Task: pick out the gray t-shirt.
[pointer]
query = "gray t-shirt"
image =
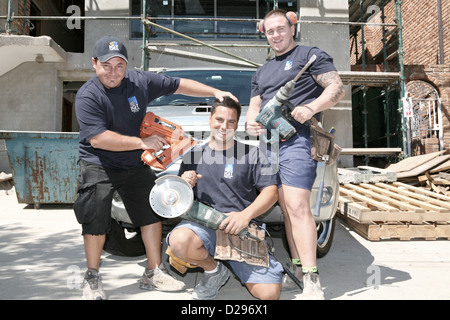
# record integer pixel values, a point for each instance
(231, 179)
(270, 77)
(121, 110)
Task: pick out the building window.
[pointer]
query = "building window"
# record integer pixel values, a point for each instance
(205, 29)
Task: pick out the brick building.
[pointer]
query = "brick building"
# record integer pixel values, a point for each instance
(426, 63)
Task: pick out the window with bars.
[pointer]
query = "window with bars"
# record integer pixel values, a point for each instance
(229, 10)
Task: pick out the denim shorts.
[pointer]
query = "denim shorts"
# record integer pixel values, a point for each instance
(245, 272)
(96, 186)
(296, 167)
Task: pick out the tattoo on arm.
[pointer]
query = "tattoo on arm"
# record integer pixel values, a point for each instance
(332, 81)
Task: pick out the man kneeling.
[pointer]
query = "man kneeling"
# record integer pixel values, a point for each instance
(235, 179)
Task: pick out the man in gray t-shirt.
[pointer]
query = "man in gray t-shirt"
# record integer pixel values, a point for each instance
(110, 109)
(235, 179)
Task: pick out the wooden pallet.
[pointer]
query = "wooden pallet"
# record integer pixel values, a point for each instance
(394, 211)
(400, 231)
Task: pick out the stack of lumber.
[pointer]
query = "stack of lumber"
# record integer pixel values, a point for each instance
(377, 204)
(430, 171)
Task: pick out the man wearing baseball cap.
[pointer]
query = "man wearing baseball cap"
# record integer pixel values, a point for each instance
(110, 108)
(109, 47)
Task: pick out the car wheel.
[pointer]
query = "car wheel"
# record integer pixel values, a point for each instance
(325, 234)
(122, 241)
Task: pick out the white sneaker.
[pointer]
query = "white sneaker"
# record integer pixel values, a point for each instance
(92, 286)
(312, 289)
(160, 279)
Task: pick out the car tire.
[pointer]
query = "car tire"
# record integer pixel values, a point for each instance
(325, 235)
(117, 243)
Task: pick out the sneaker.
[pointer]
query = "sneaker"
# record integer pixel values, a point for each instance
(312, 289)
(160, 279)
(210, 284)
(92, 286)
(287, 283)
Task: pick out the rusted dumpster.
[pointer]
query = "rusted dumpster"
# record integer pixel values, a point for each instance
(44, 165)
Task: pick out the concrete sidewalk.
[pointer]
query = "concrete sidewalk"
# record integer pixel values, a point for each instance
(42, 257)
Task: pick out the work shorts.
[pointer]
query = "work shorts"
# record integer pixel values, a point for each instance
(96, 186)
(245, 272)
(296, 167)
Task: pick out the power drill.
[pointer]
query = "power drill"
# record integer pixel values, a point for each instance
(272, 117)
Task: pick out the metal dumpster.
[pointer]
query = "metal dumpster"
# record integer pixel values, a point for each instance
(44, 165)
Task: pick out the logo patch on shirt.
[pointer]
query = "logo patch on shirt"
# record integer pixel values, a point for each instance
(288, 65)
(134, 106)
(228, 173)
(113, 45)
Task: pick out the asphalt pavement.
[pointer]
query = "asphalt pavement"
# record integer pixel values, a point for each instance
(42, 258)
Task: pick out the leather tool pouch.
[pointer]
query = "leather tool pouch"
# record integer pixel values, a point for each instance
(252, 249)
(323, 145)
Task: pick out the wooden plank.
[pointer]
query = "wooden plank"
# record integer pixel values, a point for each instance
(363, 215)
(372, 202)
(407, 197)
(413, 162)
(370, 151)
(399, 205)
(422, 191)
(442, 167)
(393, 202)
(404, 232)
(422, 168)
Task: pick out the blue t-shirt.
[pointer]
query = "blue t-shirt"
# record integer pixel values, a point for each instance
(121, 110)
(231, 179)
(277, 72)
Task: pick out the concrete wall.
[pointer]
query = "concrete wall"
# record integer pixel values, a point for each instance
(334, 40)
(31, 98)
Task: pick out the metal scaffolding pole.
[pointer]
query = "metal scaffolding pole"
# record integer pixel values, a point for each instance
(398, 14)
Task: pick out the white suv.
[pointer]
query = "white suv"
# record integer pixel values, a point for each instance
(192, 114)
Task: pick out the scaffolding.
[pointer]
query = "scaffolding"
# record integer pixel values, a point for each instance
(392, 83)
(391, 57)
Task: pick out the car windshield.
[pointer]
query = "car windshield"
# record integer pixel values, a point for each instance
(238, 82)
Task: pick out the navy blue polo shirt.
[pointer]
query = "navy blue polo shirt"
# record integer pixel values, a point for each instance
(121, 109)
(231, 179)
(277, 72)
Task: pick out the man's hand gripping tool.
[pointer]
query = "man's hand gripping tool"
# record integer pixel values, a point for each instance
(272, 115)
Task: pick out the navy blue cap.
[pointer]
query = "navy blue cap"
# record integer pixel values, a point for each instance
(108, 47)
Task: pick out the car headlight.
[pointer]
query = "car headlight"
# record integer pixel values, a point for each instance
(327, 196)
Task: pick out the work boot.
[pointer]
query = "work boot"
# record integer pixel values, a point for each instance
(287, 284)
(312, 289)
(160, 279)
(210, 284)
(92, 286)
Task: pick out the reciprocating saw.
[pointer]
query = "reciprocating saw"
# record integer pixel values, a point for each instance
(178, 140)
(272, 117)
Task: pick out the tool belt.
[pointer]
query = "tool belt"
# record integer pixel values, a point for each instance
(323, 147)
(252, 249)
